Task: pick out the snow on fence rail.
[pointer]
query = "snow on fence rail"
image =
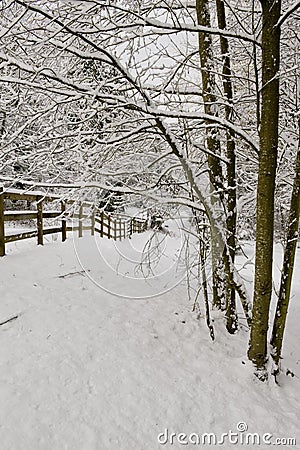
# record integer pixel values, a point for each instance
(100, 222)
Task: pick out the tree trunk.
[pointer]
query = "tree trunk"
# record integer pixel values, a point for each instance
(231, 165)
(257, 352)
(288, 267)
(212, 140)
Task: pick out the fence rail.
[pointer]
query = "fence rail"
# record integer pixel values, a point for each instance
(98, 221)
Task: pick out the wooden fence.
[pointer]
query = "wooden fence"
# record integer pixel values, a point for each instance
(70, 215)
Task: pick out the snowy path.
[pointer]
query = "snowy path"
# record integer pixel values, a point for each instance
(82, 369)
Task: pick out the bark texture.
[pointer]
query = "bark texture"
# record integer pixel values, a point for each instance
(257, 352)
(231, 216)
(215, 168)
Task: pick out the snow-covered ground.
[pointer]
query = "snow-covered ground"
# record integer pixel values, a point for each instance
(101, 359)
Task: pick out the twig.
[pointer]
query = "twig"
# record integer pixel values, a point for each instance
(72, 274)
(9, 320)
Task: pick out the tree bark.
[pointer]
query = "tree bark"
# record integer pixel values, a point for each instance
(231, 165)
(213, 145)
(257, 352)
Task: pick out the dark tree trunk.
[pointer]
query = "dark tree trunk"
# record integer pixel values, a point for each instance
(288, 267)
(257, 352)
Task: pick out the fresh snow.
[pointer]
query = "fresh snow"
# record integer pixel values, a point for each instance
(101, 359)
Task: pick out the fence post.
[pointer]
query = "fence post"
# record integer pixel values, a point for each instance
(131, 227)
(120, 229)
(108, 227)
(115, 229)
(101, 224)
(80, 221)
(63, 223)
(93, 223)
(40, 219)
(2, 233)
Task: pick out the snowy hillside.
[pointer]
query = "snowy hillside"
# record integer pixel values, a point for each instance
(100, 359)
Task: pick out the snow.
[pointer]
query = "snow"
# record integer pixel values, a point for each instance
(100, 358)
